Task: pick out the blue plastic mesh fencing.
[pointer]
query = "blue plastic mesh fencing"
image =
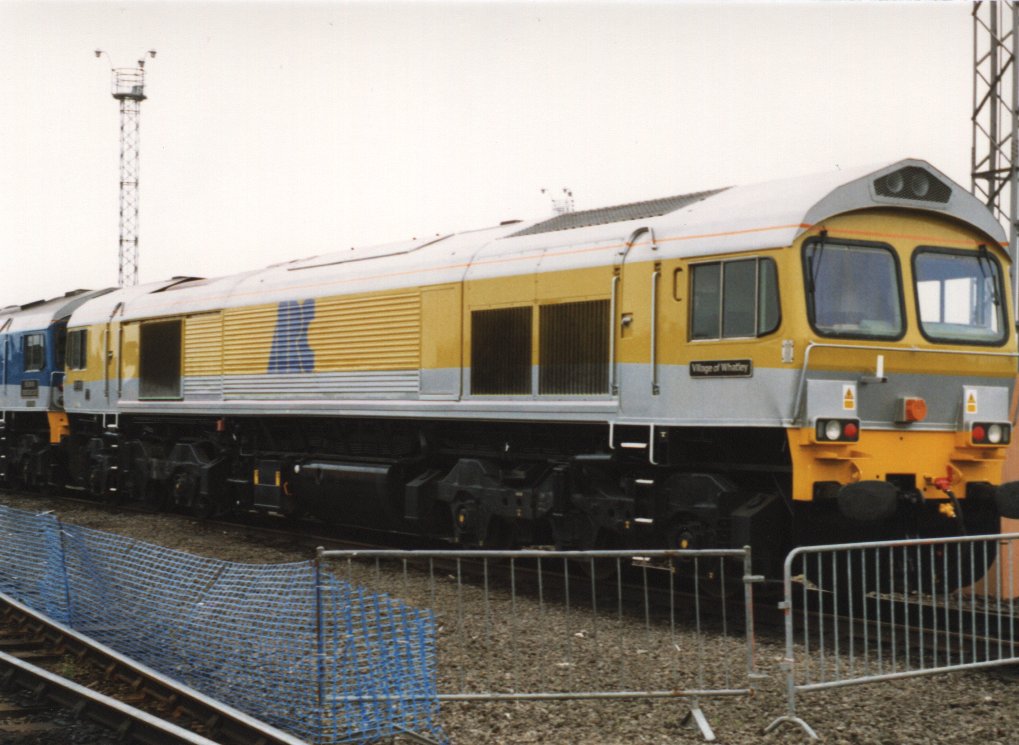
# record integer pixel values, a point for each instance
(379, 663)
(322, 659)
(31, 563)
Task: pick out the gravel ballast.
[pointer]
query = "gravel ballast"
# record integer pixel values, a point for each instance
(969, 707)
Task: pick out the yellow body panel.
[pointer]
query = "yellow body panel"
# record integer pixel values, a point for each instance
(367, 333)
(928, 455)
(203, 344)
(573, 286)
(440, 327)
(247, 339)
(500, 292)
(125, 363)
(96, 352)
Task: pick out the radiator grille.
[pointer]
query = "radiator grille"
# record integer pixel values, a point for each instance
(574, 348)
(501, 351)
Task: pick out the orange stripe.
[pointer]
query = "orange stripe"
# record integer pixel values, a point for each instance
(936, 240)
(497, 260)
(531, 255)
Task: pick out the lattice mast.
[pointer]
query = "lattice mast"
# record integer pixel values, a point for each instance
(129, 91)
(995, 152)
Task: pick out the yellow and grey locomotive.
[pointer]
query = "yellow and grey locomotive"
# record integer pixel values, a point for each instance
(811, 359)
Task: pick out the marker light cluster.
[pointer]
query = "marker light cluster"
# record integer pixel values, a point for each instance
(990, 433)
(913, 183)
(838, 430)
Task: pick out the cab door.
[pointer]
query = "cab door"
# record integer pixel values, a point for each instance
(5, 353)
(637, 301)
(112, 353)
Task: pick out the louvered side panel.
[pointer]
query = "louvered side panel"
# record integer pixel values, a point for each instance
(203, 356)
(370, 334)
(247, 339)
(400, 384)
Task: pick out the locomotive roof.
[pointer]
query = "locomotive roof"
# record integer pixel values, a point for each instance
(702, 223)
(40, 314)
(775, 213)
(619, 213)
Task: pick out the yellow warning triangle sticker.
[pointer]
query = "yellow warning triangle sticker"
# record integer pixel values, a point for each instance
(848, 398)
(971, 402)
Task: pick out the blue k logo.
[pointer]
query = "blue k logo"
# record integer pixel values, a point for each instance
(290, 350)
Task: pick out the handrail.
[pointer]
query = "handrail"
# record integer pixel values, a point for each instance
(613, 309)
(654, 331)
(812, 345)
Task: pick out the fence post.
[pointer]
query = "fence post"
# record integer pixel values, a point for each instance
(320, 661)
(788, 665)
(63, 572)
(749, 580)
(55, 579)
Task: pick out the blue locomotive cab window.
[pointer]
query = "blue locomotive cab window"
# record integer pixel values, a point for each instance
(33, 352)
(960, 296)
(853, 290)
(734, 299)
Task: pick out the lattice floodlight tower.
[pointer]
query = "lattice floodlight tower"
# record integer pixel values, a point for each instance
(995, 154)
(129, 90)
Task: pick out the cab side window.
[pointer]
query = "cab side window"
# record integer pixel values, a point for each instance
(734, 299)
(77, 349)
(33, 350)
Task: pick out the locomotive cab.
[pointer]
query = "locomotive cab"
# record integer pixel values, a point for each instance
(906, 375)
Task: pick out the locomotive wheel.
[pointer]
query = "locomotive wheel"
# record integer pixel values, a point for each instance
(95, 483)
(155, 497)
(13, 480)
(27, 475)
(128, 490)
(716, 578)
(601, 569)
(685, 533)
(183, 489)
(203, 506)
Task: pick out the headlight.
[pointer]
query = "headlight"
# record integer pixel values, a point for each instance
(990, 433)
(919, 185)
(837, 430)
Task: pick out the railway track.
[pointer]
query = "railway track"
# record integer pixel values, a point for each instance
(57, 668)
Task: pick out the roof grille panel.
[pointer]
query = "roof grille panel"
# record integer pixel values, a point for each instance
(619, 213)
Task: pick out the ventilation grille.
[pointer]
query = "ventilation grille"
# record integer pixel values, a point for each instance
(501, 352)
(574, 348)
(620, 213)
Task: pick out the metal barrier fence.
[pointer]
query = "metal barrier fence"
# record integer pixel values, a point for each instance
(569, 625)
(296, 648)
(865, 612)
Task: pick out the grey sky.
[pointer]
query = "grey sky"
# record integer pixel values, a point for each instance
(281, 130)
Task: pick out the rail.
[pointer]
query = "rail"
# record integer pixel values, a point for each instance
(228, 725)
